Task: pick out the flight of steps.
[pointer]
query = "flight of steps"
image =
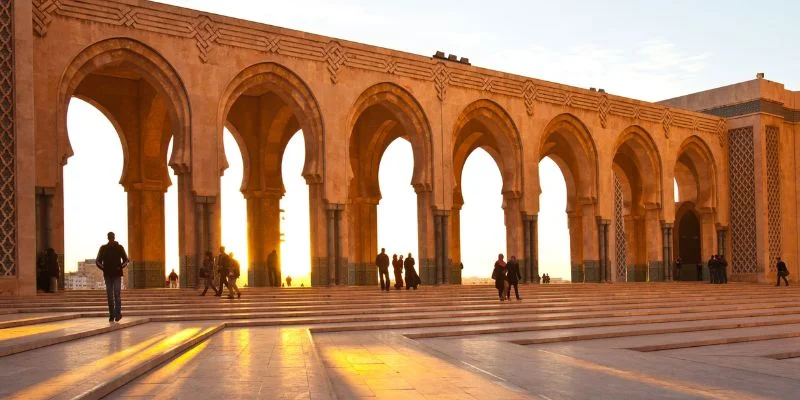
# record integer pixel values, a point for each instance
(66, 338)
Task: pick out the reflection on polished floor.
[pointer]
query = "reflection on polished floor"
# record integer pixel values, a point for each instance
(677, 340)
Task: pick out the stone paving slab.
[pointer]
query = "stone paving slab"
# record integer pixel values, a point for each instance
(76, 367)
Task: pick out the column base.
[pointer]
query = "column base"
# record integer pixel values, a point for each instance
(319, 272)
(577, 273)
(656, 271)
(591, 271)
(146, 274)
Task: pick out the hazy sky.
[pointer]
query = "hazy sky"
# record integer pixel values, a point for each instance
(645, 50)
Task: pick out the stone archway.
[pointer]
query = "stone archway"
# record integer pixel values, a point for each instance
(567, 141)
(380, 115)
(687, 242)
(264, 106)
(695, 175)
(144, 98)
(485, 124)
(637, 177)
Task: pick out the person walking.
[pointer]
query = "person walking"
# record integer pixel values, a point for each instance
(51, 270)
(288, 281)
(699, 267)
(223, 269)
(723, 267)
(397, 265)
(207, 273)
(513, 276)
(783, 272)
(234, 274)
(272, 269)
(499, 276)
(382, 262)
(112, 260)
(678, 265)
(412, 279)
(173, 279)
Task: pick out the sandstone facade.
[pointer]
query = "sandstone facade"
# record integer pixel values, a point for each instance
(160, 72)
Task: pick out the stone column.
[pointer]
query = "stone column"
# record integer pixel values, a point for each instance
(590, 255)
(45, 198)
(534, 271)
(722, 234)
(202, 234)
(666, 239)
(337, 275)
(442, 259)
(526, 248)
(191, 249)
(318, 221)
(454, 243)
(146, 236)
(575, 221)
(652, 243)
(426, 235)
(602, 246)
(513, 221)
(263, 234)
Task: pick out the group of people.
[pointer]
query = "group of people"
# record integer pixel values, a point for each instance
(227, 269)
(718, 269)
(399, 264)
(544, 279)
(506, 275)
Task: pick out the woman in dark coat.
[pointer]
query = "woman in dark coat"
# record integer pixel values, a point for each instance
(397, 265)
(499, 276)
(412, 279)
(513, 276)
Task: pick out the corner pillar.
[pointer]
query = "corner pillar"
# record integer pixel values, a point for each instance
(337, 274)
(146, 236)
(263, 235)
(666, 240)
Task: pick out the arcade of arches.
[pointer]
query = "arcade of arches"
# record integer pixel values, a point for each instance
(186, 75)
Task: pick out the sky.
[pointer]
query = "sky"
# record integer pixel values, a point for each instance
(645, 50)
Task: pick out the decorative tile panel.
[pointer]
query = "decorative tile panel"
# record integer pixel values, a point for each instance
(8, 143)
(741, 158)
(773, 195)
(619, 232)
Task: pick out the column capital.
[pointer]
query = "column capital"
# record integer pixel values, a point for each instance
(263, 194)
(205, 199)
(530, 217)
(602, 221)
(665, 224)
(440, 212)
(150, 186)
(45, 191)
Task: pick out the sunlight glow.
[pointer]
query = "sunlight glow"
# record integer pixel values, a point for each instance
(234, 207)
(94, 201)
(397, 209)
(675, 188)
(296, 244)
(483, 231)
(554, 257)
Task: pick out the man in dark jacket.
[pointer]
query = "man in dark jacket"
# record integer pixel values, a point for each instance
(112, 259)
(678, 265)
(382, 261)
(782, 272)
(272, 269)
(513, 275)
(223, 268)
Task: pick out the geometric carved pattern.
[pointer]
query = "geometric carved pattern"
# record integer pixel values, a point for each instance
(741, 158)
(8, 143)
(773, 195)
(619, 232)
(209, 30)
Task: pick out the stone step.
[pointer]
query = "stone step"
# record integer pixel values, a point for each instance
(509, 324)
(99, 365)
(21, 339)
(225, 304)
(726, 340)
(20, 320)
(700, 327)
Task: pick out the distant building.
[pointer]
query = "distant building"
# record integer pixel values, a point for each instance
(87, 277)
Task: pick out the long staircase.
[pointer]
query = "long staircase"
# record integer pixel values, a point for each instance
(62, 346)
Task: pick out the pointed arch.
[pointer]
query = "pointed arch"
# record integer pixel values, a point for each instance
(290, 90)
(486, 124)
(637, 155)
(143, 62)
(567, 140)
(696, 161)
(381, 114)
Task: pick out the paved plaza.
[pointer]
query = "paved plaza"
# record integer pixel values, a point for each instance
(589, 341)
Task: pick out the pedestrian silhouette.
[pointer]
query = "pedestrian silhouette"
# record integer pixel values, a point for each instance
(499, 276)
(513, 276)
(397, 265)
(51, 270)
(288, 281)
(272, 269)
(234, 275)
(783, 272)
(412, 279)
(223, 269)
(382, 262)
(112, 259)
(207, 273)
(173, 279)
